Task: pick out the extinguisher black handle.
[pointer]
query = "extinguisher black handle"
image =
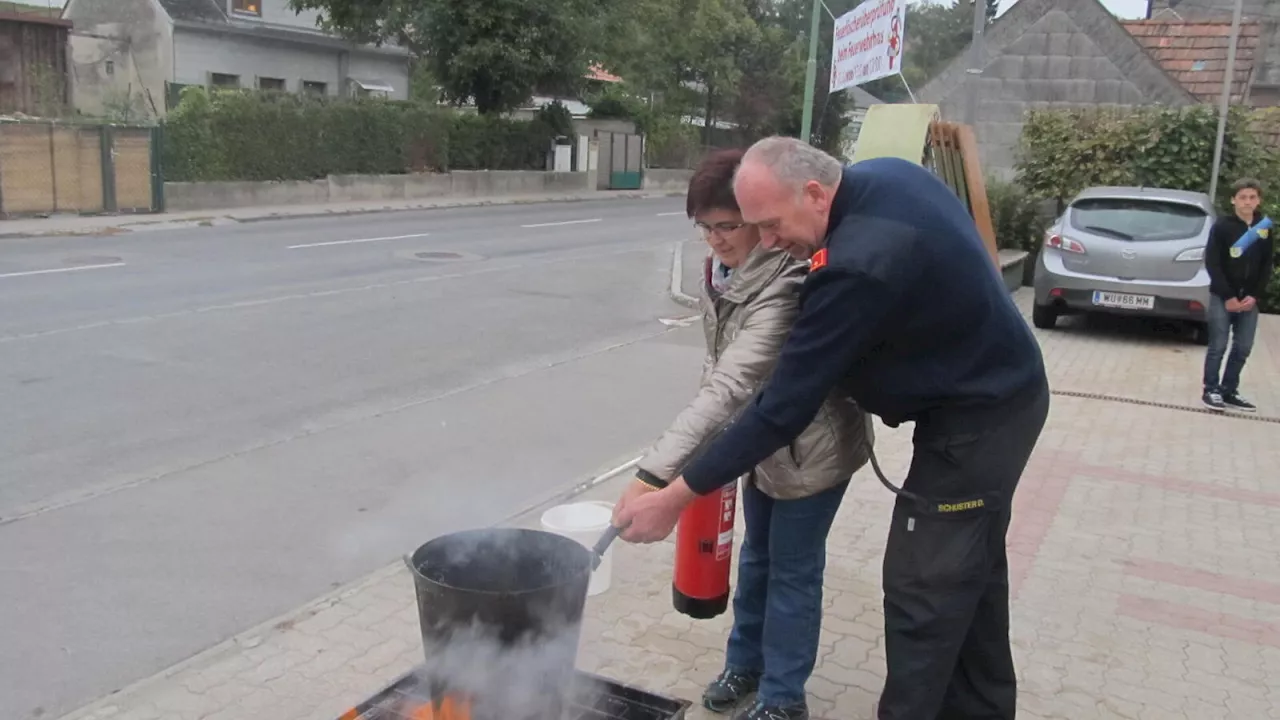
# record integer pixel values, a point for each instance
(597, 552)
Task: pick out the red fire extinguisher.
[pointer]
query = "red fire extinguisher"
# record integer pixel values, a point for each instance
(704, 554)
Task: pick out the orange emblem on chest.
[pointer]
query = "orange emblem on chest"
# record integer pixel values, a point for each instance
(818, 261)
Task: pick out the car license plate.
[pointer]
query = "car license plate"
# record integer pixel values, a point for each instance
(1123, 300)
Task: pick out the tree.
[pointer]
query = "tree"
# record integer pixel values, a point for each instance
(493, 52)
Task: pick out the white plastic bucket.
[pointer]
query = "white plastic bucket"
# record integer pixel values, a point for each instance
(584, 522)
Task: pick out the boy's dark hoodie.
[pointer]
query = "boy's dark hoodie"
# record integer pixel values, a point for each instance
(1245, 276)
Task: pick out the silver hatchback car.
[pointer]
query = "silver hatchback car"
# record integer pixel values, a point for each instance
(1127, 250)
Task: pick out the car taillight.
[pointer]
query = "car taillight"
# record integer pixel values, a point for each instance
(1065, 244)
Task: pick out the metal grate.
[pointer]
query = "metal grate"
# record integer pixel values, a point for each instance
(594, 698)
(1166, 406)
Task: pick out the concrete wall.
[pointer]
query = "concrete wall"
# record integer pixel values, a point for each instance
(121, 57)
(373, 188)
(661, 180)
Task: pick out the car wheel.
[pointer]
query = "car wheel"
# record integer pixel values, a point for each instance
(1044, 317)
(1201, 334)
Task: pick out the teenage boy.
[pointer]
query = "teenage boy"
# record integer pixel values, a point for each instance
(1236, 281)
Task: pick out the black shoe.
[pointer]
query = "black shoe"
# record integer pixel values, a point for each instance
(1233, 401)
(1212, 399)
(760, 711)
(732, 687)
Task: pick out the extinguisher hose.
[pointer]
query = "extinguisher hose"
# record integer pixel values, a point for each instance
(875, 465)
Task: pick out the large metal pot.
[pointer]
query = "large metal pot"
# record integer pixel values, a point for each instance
(501, 612)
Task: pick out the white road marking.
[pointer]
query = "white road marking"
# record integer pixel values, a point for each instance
(669, 214)
(51, 271)
(680, 322)
(356, 241)
(564, 222)
(548, 258)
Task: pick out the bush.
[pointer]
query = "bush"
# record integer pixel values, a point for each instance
(671, 143)
(1015, 216)
(1270, 303)
(235, 135)
(1065, 151)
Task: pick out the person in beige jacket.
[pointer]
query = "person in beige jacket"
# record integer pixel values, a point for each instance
(749, 300)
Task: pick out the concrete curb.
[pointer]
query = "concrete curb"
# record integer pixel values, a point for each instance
(676, 291)
(215, 218)
(256, 635)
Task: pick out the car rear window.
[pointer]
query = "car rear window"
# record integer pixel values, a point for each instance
(1133, 219)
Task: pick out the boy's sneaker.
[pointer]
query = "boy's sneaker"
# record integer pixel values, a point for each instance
(732, 687)
(1212, 399)
(1233, 401)
(760, 711)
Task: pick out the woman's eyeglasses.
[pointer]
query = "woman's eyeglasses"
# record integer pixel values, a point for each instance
(723, 229)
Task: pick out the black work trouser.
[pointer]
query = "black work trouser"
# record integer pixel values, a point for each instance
(946, 574)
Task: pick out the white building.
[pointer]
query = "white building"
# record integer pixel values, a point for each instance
(138, 54)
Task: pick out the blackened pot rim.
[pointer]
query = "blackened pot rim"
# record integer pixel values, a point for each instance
(585, 570)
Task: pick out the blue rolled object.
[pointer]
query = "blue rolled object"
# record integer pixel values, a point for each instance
(1249, 238)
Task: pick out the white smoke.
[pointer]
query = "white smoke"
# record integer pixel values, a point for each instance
(527, 677)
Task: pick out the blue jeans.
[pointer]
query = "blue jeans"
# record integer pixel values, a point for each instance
(777, 609)
(1239, 327)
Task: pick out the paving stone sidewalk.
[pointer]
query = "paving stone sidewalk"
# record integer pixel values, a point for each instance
(1145, 576)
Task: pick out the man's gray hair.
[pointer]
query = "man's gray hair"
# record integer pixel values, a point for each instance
(794, 162)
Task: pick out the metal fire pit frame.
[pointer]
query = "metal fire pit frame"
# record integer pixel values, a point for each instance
(628, 702)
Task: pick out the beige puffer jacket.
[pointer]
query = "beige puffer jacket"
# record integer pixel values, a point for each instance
(745, 329)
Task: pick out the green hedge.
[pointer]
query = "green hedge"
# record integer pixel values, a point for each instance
(1064, 151)
(1015, 216)
(235, 135)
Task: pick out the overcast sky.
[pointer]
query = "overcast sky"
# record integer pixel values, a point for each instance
(1126, 9)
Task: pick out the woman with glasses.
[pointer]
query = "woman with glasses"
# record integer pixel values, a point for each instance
(750, 297)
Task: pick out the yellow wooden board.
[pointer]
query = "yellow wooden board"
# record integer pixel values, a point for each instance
(896, 130)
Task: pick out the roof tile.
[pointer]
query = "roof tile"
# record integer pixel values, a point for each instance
(1195, 53)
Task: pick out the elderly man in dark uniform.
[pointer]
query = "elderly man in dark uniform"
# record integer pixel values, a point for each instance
(904, 311)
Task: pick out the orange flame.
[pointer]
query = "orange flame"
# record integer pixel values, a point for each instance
(448, 708)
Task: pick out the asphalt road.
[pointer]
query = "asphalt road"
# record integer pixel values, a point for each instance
(201, 429)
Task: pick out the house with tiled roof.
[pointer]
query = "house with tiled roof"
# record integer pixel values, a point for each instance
(1076, 54)
(147, 50)
(1264, 80)
(1195, 54)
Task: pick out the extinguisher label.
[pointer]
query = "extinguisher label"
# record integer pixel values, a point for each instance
(728, 505)
(725, 545)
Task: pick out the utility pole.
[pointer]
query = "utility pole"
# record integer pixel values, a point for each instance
(1225, 107)
(811, 72)
(975, 63)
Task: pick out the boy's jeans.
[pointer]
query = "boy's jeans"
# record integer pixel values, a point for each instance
(777, 609)
(1239, 327)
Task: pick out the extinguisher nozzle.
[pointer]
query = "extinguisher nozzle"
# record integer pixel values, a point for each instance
(597, 553)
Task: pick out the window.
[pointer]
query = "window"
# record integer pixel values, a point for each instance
(312, 87)
(275, 84)
(247, 7)
(220, 80)
(1135, 219)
